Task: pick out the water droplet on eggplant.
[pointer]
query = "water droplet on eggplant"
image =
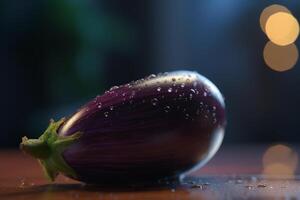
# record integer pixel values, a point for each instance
(154, 101)
(167, 109)
(106, 114)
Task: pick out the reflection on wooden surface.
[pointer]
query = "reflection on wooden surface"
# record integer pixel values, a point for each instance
(21, 178)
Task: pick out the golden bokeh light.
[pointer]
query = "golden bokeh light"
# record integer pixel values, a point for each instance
(268, 11)
(282, 28)
(280, 58)
(280, 160)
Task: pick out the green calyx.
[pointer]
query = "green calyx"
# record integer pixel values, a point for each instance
(48, 149)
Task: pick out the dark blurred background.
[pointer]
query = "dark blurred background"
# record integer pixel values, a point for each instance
(58, 54)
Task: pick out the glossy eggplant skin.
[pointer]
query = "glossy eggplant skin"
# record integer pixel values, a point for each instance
(158, 127)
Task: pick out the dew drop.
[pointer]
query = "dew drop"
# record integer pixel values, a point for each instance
(239, 181)
(249, 187)
(170, 90)
(182, 85)
(154, 101)
(187, 116)
(158, 89)
(261, 186)
(99, 105)
(111, 108)
(191, 96)
(23, 183)
(205, 94)
(123, 94)
(197, 186)
(193, 91)
(113, 88)
(214, 108)
(151, 76)
(167, 109)
(106, 114)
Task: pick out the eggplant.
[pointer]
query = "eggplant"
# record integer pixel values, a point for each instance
(152, 129)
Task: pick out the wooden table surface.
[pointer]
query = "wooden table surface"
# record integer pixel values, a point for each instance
(234, 173)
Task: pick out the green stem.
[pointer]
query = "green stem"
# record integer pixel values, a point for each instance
(35, 147)
(48, 149)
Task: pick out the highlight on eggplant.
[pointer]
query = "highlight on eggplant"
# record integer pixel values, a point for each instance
(151, 129)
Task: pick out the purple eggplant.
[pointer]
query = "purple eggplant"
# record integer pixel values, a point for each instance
(155, 128)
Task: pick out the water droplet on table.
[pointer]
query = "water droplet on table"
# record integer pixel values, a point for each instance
(249, 187)
(261, 186)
